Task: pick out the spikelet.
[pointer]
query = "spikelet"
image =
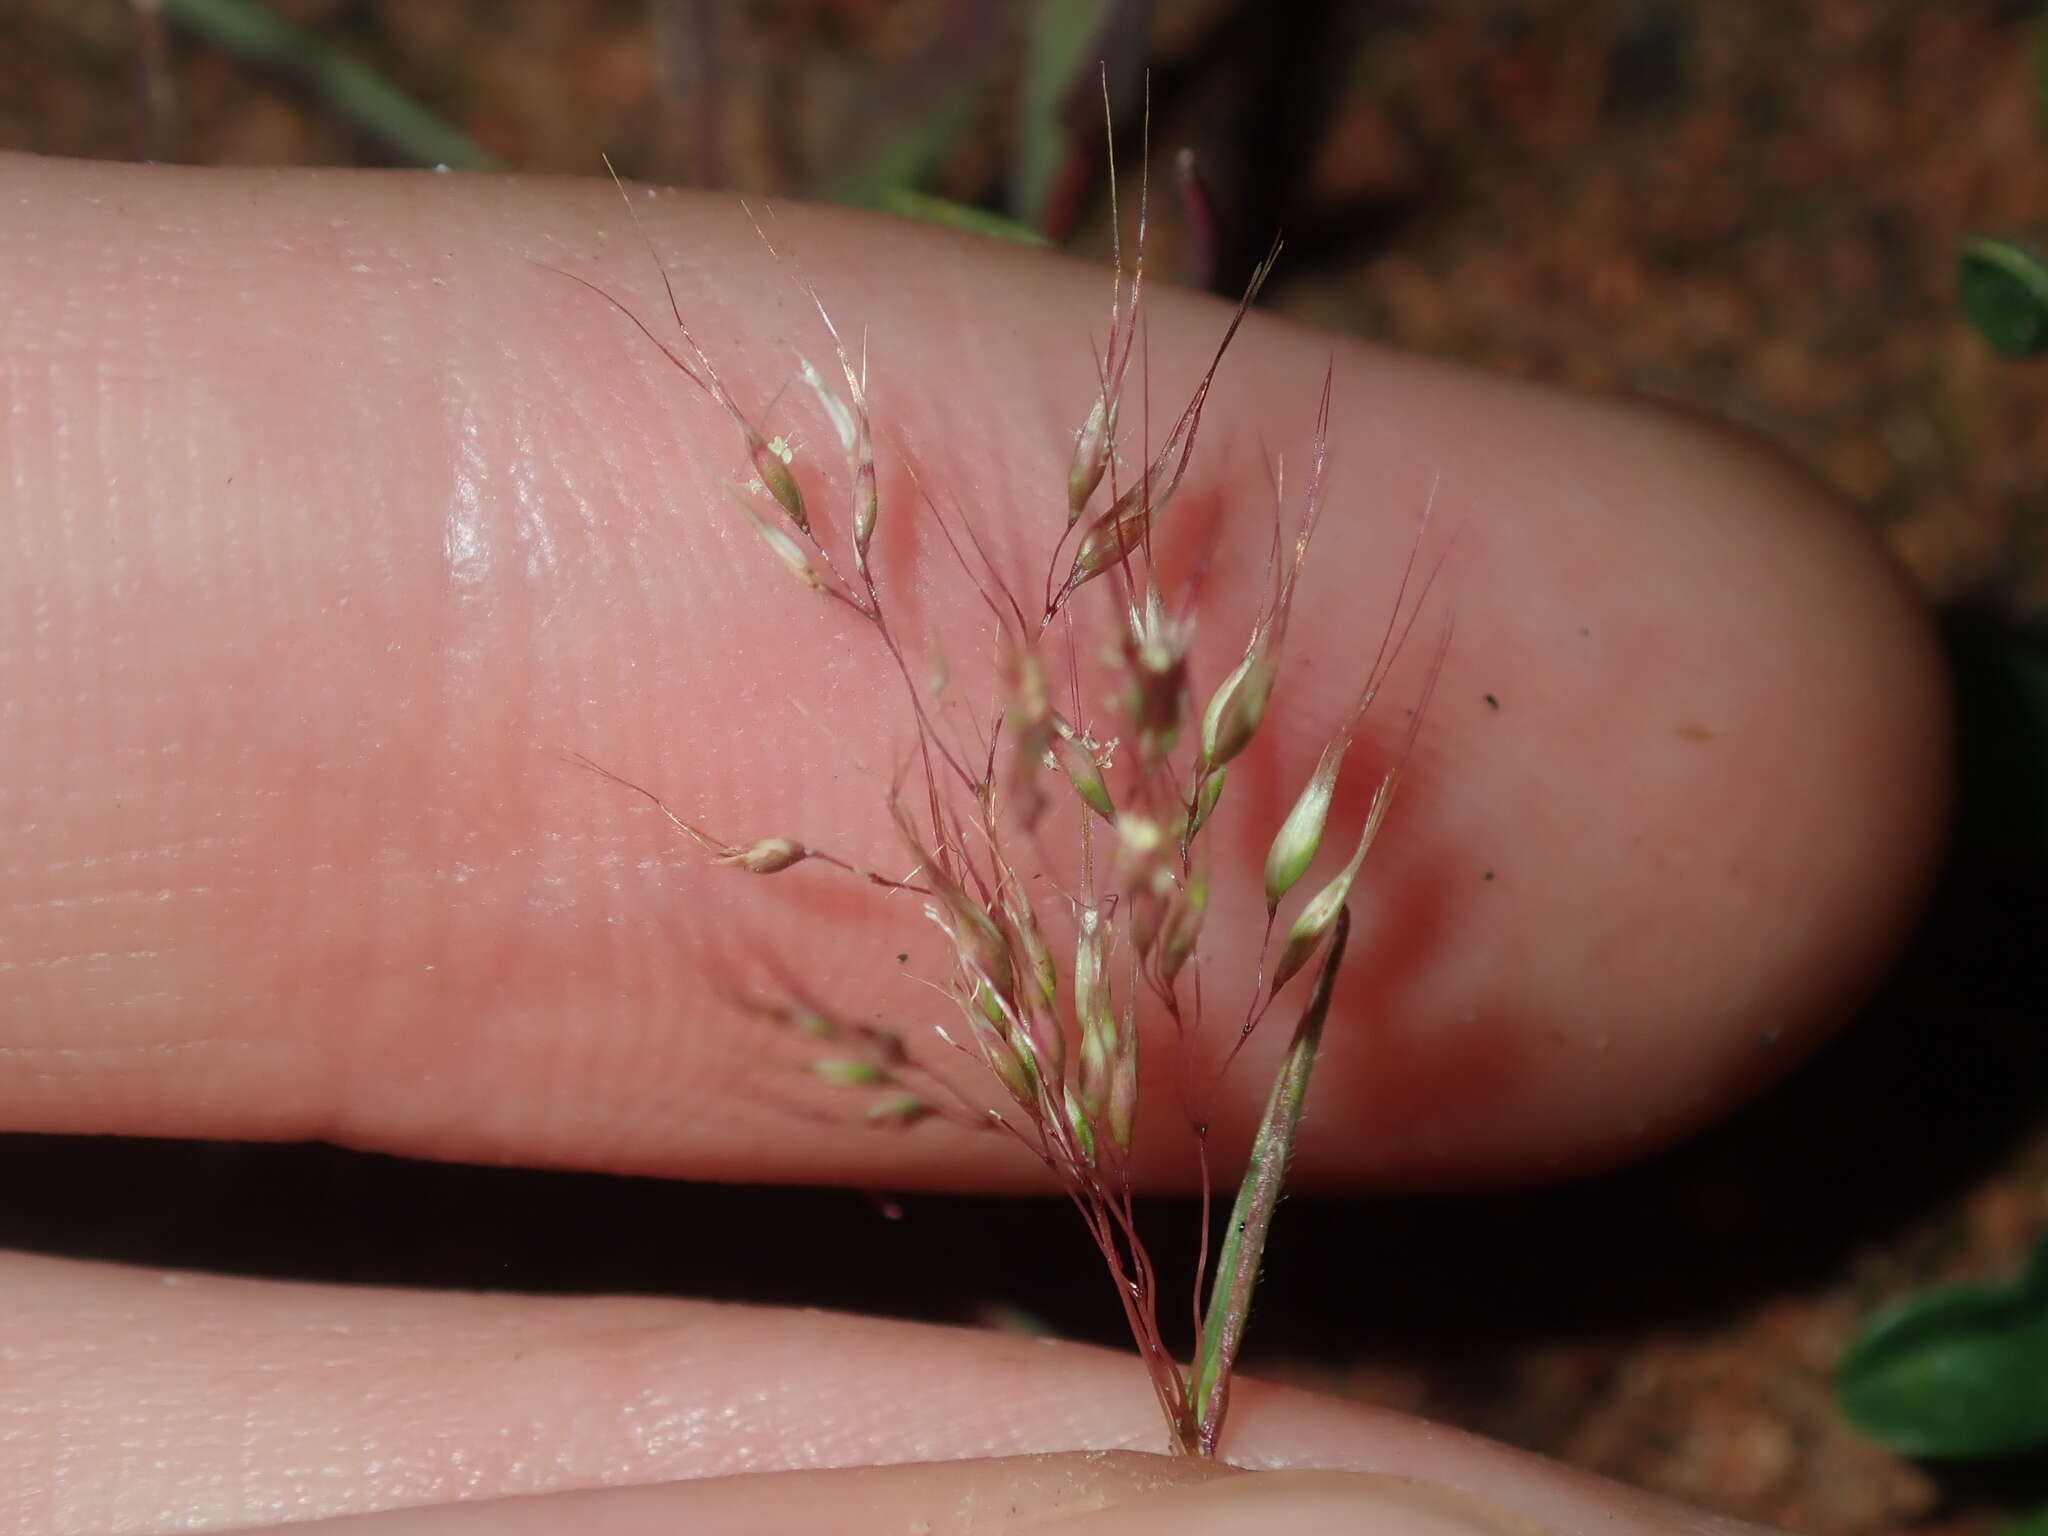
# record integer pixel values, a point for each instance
(1056, 1026)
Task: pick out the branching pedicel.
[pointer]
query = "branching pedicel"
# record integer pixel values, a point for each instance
(1061, 1039)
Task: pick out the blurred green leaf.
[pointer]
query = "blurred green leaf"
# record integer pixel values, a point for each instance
(2035, 1524)
(1959, 1371)
(1061, 46)
(2037, 63)
(258, 35)
(900, 159)
(2003, 289)
(921, 109)
(912, 204)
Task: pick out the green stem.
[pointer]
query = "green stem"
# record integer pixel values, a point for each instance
(1251, 1217)
(258, 35)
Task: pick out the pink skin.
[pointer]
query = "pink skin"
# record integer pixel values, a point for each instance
(231, 1403)
(335, 514)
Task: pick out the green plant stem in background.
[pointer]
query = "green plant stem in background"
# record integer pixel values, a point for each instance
(911, 204)
(907, 156)
(259, 36)
(1061, 46)
(923, 107)
(1244, 1239)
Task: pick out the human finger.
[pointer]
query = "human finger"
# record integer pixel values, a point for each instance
(146, 1401)
(338, 515)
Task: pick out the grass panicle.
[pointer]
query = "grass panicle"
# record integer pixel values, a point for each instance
(1050, 986)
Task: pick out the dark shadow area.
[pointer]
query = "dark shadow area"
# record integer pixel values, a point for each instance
(1256, 100)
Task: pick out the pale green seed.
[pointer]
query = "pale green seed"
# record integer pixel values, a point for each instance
(836, 410)
(812, 1025)
(1096, 1068)
(898, 1109)
(1319, 916)
(1037, 953)
(1012, 1067)
(1083, 1128)
(1183, 927)
(1206, 796)
(1082, 772)
(766, 856)
(1236, 708)
(1092, 1006)
(1091, 458)
(849, 1072)
(867, 505)
(1123, 1088)
(1294, 847)
(781, 484)
(982, 948)
(786, 550)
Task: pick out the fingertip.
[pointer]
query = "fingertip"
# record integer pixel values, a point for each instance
(1683, 787)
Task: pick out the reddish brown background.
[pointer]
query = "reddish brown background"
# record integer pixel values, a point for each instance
(1750, 206)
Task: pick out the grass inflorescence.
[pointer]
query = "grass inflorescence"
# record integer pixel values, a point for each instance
(1051, 987)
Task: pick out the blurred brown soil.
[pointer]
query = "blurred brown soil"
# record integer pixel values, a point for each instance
(1751, 208)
